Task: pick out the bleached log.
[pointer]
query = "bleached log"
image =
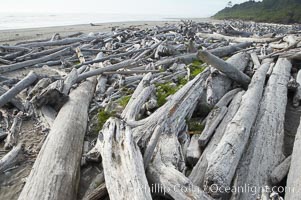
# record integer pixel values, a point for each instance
(55, 172)
(293, 181)
(223, 161)
(52, 95)
(297, 95)
(218, 84)
(10, 158)
(122, 162)
(123, 64)
(12, 136)
(215, 117)
(17, 102)
(28, 63)
(148, 153)
(279, 173)
(193, 152)
(236, 39)
(41, 84)
(69, 81)
(255, 60)
(16, 89)
(197, 175)
(224, 67)
(267, 135)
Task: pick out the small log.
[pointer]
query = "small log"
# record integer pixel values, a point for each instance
(255, 60)
(280, 172)
(255, 166)
(55, 171)
(197, 175)
(10, 158)
(224, 160)
(218, 84)
(215, 117)
(29, 63)
(52, 95)
(41, 84)
(297, 95)
(122, 162)
(16, 89)
(69, 81)
(99, 71)
(224, 67)
(194, 151)
(17, 102)
(12, 136)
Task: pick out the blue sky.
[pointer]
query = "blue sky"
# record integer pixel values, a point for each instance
(180, 8)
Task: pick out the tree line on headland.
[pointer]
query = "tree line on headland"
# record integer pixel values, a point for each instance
(273, 11)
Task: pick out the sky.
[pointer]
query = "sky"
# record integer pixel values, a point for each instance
(175, 8)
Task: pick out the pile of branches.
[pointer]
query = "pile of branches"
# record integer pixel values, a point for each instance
(204, 115)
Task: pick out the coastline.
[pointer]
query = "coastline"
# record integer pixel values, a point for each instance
(12, 36)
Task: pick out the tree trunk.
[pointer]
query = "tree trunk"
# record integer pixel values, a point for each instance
(55, 173)
(264, 152)
(224, 160)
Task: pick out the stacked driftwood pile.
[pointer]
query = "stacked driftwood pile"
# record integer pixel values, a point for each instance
(147, 148)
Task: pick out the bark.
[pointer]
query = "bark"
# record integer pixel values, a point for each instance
(16, 89)
(225, 68)
(267, 135)
(225, 158)
(56, 170)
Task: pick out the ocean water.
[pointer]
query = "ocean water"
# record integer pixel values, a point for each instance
(34, 20)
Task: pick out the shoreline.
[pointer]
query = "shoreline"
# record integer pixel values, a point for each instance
(12, 36)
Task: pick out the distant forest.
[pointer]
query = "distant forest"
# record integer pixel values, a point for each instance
(276, 11)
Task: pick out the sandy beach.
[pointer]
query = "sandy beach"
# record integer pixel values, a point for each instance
(13, 36)
(18, 35)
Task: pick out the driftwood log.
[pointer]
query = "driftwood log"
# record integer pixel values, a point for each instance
(55, 172)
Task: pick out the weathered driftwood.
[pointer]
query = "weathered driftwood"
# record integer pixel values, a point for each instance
(20, 65)
(17, 102)
(39, 86)
(122, 162)
(52, 95)
(224, 67)
(237, 39)
(267, 135)
(212, 121)
(55, 172)
(197, 175)
(280, 172)
(223, 161)
(10, 158)
(12, 136)
(99, 71)
(16, 89)
(193, 152)
(218, 84)
(297, 95)
(293, 182)
(69, 81)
